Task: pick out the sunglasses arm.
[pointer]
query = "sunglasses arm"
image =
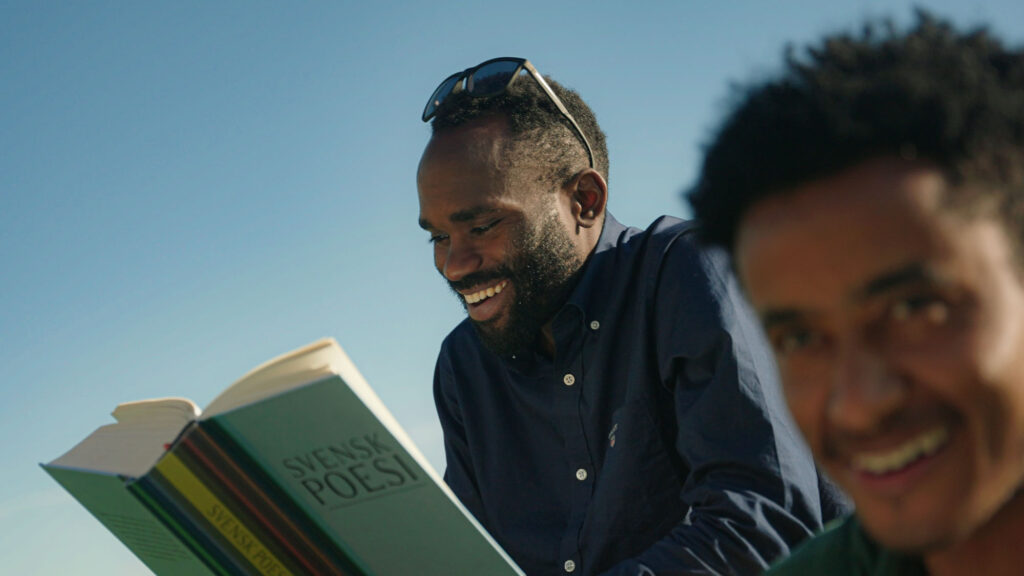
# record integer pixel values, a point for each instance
(561, 107)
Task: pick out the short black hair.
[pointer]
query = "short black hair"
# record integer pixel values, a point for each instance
(540, 132)
(952, 99)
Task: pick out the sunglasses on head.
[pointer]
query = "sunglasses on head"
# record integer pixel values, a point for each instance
(492, 78)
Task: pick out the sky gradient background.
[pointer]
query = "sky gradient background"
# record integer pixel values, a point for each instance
(188, 189)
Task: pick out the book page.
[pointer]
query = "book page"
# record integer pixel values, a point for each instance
(136, 441)
(181, 410)
(303, 366)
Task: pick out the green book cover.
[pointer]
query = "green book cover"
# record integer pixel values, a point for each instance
(327, 442)
(249, 493)
(150, 539)
(346, 469)
(206, 513)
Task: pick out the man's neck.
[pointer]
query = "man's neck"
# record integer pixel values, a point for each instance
(996, 549)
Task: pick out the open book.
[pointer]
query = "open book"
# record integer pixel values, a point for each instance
(296, 468)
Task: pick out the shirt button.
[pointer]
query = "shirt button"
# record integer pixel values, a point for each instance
(569, 379)
(594, 325)
(570, 566)
(581, 474)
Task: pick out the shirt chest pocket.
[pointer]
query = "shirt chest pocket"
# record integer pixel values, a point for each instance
(638, 488)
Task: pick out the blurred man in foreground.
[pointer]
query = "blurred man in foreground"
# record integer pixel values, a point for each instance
(607, 406)
(873, 199)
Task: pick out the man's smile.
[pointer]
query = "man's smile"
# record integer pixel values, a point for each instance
(483, 294)
(486, 303)
(900, 457)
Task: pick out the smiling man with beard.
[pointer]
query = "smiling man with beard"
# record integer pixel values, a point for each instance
(878, 230)
(608, 406)
(542, 265)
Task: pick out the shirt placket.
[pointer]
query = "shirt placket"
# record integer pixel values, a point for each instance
(571, 382)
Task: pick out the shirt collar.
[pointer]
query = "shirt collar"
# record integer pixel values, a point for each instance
(587, 298)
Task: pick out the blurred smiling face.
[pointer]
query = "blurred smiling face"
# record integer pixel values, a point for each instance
(898, 329)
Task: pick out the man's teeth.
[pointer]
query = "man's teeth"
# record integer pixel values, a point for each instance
(485, 294)
(924, 445)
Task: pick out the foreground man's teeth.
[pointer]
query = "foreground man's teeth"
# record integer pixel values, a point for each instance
(485, 294)
(924, 445)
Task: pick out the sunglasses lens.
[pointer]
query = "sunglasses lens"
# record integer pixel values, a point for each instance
(439, 95)
(493, 78)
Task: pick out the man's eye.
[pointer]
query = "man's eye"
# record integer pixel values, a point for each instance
(435, 238)
(792, 340)
(483, 229)
(925, 307)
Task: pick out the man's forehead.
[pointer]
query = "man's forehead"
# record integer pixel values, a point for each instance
(482, 138)
(840, 231)
(460, 152)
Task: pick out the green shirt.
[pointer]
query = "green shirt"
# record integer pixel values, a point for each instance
(844, 549)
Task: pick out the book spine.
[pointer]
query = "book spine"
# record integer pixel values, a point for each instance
(205, 457)
(221, 519)
(274, 539)
(335, 558)
(147, 493)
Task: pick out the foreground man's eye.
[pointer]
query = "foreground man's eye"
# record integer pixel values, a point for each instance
(923, 307)
(791, 340)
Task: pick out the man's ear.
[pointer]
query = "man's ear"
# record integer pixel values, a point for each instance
(589, 196)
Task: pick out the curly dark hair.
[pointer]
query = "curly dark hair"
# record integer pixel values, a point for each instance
(949, 98)
(538, 132)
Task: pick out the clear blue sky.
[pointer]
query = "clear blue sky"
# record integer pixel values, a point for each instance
(190, 188)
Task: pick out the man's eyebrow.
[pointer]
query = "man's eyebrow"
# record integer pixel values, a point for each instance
(772, 318)
(911, 274)
(471, 214)
(467, 215)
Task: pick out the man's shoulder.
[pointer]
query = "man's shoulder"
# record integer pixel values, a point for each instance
(843, 548)
(665, 237)
(675, 256)
(667, 229)
(673, 225)
(678, 239)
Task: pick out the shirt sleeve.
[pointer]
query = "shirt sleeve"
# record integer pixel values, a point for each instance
(749, 481)
(458, 472)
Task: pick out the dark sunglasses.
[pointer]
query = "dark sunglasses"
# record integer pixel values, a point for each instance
(492, 78)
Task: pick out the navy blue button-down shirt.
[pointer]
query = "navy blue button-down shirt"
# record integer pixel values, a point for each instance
(656, 439)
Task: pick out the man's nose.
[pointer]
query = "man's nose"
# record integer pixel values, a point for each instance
(460, 259)
(866, 389)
